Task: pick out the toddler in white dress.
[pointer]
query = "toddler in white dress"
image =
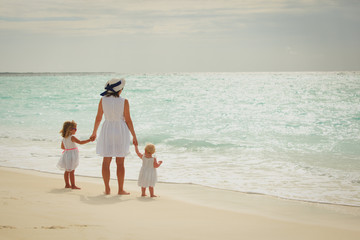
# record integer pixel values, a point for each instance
(148, 174)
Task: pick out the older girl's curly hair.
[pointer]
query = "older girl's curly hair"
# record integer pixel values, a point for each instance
(67, 127)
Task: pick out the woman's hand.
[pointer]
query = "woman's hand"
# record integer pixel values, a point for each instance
(93, 137)
(97, 120)
(135, 142)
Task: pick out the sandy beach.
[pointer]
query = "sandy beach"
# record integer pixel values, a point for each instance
(36, 205)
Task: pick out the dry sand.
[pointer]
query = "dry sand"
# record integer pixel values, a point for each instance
(36, 205)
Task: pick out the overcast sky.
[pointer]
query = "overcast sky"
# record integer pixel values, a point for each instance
(142, 36)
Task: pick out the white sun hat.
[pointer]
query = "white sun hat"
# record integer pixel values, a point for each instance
(114, 85)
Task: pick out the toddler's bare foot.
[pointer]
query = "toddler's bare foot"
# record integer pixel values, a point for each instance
(75, 187)
(67, 186)
(143, 195)
(123, 193)
(153, 195)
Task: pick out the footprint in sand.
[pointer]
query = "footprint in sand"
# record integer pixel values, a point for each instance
(54, 227)
(64, 227)
(7, 227)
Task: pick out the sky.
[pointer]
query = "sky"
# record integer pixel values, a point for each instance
(152, 36)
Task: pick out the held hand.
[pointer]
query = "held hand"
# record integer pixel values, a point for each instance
(135, 142)
(93, 137)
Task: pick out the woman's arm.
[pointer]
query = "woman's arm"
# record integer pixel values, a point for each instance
(97, 120)
(129, 121)
(137, 152)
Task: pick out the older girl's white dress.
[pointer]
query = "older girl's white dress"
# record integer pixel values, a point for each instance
(148, 174)
(114, 138)
(70, 157)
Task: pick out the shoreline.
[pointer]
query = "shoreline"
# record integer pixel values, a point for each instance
(35, 205)
(199, 185)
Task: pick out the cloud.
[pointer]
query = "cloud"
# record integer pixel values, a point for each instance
(140, 16)
(174, 35)
(44, 19)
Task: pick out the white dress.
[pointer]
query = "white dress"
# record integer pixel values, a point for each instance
(148, 174)
(70, 157)
(114, 138)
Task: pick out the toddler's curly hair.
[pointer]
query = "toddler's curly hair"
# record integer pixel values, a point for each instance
(150, 148)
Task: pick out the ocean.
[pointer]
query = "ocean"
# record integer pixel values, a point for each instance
(293, 135)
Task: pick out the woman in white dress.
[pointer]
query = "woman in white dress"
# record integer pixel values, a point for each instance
(114, 138)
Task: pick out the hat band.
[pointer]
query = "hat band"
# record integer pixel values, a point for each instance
(111, 87)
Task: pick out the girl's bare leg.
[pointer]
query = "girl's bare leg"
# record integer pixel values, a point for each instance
(106, 173)
(143, 192)
(151, 189)
(66, 178)
(120, 172)
(72, 180)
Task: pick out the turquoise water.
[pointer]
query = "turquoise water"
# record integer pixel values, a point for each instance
(290, 135)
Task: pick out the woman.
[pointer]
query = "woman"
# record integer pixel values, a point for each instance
(114, 138)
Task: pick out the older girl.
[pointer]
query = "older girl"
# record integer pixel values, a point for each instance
(70, 157)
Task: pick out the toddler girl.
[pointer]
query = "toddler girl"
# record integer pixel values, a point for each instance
(148, 175)
(70, 156)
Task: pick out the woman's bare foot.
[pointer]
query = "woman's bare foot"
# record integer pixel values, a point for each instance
(107, 191)
(75, 187)
(123, 193)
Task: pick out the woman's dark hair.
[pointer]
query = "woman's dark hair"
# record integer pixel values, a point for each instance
(115, 94)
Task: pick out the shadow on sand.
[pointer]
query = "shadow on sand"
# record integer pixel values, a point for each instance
(60, 190)
(102, 199)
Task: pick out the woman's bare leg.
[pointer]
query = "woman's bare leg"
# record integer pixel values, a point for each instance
(106, 173)
(120, 172)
